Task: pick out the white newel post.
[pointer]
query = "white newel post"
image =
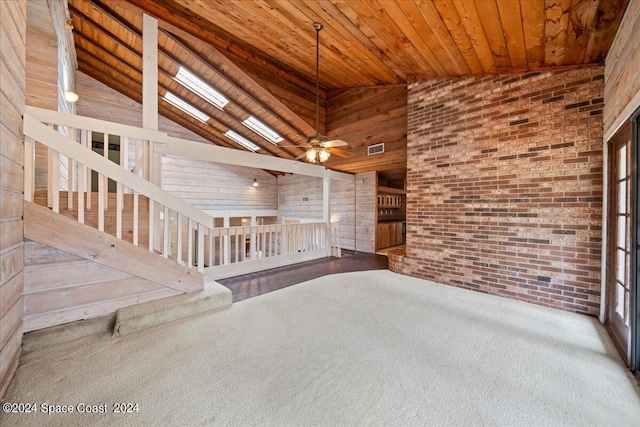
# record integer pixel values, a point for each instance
(326, 208)
(150, 109)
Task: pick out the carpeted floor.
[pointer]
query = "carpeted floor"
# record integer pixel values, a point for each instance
(365, 348)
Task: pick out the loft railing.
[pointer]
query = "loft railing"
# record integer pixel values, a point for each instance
(154, 218)
(82, 160)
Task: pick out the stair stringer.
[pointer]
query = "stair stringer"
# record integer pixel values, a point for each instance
(73, 271)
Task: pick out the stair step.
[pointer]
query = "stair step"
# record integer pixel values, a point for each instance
(138, 317)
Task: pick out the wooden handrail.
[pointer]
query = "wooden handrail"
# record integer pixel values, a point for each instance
(64, 145)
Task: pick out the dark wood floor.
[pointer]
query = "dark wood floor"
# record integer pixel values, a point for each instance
(254, 284)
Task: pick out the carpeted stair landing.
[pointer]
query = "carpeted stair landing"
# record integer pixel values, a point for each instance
(154, 313)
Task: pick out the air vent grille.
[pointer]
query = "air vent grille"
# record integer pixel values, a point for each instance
(375, 149)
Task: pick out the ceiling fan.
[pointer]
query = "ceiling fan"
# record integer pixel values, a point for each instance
(319, 146)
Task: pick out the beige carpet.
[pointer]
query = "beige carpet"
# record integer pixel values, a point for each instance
(367, 348)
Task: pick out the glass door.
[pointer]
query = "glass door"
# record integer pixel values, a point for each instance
(619, 242)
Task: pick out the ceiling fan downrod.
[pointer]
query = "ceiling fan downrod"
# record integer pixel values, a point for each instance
(318, 27)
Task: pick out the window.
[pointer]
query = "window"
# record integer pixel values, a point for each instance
(201, 88)
(241, 140)
(263, 130)
(187, 108)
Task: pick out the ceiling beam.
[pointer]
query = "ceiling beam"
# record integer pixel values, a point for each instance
(215, 36)
(165, 72)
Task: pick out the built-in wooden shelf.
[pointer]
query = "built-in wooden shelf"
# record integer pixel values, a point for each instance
(390, 190)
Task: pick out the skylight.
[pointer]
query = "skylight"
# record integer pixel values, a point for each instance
(197, 85)
(241, 140)
(263, 130)
(187, 108)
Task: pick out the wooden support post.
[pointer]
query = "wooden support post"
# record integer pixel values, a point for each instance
(166, 240)
(200, 248)
(89, 145)
(105, 152)
(149, 72)
(226, 249)
(252, 240)
(29, 168)
(71, 174)
(179, 237)
(190, 247)
(55, 181)
(136, 208)
(326, 208)
(101, 202)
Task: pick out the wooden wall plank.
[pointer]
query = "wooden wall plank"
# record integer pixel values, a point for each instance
(622, 73)
(10, 357)
(12, 100)
(11, 262)
(10, 292)
(52, 318)
(90, 293)
(66, 275)
(366, 116)
(10, 321)
(51, 229)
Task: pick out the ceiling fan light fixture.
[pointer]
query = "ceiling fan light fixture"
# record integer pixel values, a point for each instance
(311, 155)
(323, 155)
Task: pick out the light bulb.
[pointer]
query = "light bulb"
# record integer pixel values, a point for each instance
(324, 155)
(70, 96)
(311, 155)
(255, 182)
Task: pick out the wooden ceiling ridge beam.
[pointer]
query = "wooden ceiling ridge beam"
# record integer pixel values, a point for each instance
(239, 128)
(170, 15)
(244, 82)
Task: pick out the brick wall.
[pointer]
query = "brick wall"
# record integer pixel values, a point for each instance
(505, 186)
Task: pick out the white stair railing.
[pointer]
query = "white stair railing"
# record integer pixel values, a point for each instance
(189, 221)
(156, 219)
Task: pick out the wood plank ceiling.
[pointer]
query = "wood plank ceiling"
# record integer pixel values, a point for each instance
(261, 54)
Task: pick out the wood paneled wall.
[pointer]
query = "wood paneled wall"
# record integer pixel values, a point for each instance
(366, 206)
(42, 73)
(367, 116)
(209, 185)
(61, 287)
(301, 197)
(12, 89)
(622, 72)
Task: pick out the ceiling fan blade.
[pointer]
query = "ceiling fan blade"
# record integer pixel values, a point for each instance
(334, 143)
(340, 153)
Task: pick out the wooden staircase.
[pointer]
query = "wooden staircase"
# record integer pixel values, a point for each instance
(73, 271)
